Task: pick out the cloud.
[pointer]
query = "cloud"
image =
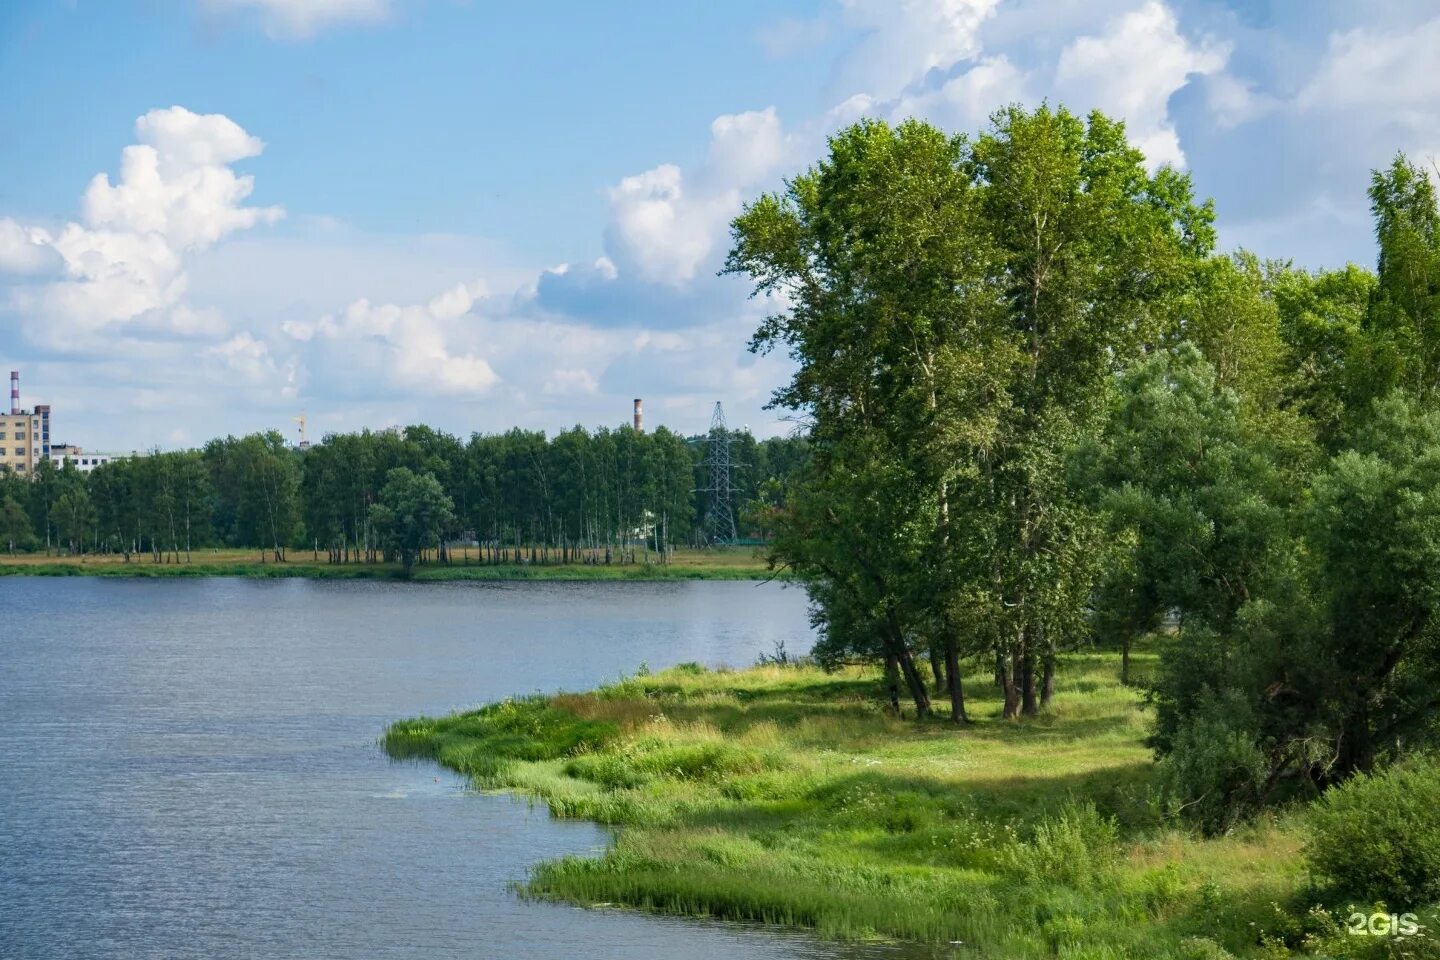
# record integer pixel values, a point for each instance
(26, 250)
(410, 347)
(568, 382)
(663, 225)
(1325, 102)
(1388, 76)
(303, 18)
(966, 100)
(902, 42)
(1132, 69)
(157, 273)
(124, 264)
(249, 358)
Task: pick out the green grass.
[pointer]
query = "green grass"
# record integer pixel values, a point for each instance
(723, 564)
(784, 794)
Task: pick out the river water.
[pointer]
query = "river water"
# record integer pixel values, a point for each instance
(189, 768)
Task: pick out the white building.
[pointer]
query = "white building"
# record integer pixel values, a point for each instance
(63, 453)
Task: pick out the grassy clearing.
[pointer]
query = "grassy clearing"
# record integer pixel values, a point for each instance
(720, 564)
(784, 794)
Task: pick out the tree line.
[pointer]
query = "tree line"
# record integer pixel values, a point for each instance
(580, 496)
(1045, 413)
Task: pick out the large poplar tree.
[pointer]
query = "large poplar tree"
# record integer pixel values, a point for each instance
(956, 310)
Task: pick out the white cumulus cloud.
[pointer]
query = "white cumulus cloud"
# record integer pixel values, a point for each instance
(124, 263)
(1132, 69)
(1384, 85)
(905, 40)
(664, 224)
(412, 347)
(26, 249)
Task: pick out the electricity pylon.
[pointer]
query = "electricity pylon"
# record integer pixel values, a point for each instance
(720, 516)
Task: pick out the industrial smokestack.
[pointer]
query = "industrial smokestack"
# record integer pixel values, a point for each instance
(639, 417)
(14, 392)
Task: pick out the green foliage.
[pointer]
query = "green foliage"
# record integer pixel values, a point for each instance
(647, 758)
(956, 309)
(1403, 321)
(1213, 773)
(1374, 533)
(412, 514)
(1202, 496)
(602, 490)
(480, 743)
(1377, 837)
(1077, 848)
(15, 529)
(785, 794)
(1322, 322)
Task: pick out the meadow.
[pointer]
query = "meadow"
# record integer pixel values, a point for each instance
(785, 794)
(726, 563)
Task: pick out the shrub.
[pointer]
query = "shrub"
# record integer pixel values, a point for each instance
(1214, 775)
(1078, 848)
(1202, 948)
(1377, 837)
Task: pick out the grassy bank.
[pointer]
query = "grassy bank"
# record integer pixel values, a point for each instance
(784, 794)
(722, 564)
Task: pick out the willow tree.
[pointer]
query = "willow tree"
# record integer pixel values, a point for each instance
(412, 516)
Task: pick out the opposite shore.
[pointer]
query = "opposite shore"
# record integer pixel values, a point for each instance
(735, 563)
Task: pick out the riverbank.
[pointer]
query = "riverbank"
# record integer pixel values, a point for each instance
(783, 794)
(739, 563)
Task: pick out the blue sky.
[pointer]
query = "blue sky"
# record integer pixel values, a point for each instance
(477, 214)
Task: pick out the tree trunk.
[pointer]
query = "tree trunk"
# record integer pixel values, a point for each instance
(956, 683)
(1047, 684)
(892, 682)
(1357, 751)
(1029, 707)
(1009, 688)
(894, 638)
(937, 668)
(1125, 661)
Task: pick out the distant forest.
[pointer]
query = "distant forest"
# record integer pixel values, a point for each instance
(576, 497)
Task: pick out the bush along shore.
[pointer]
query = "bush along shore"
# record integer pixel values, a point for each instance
(786, 794)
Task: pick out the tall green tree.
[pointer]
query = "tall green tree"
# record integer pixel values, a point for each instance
(15, 527)
(412, 515)
(1322, 318)
(957, 310)
(1404, 315)
(874, 253)
(74, 518)
(1094, 255)
(1201, 504)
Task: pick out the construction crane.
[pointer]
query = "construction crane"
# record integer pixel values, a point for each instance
(304, 438)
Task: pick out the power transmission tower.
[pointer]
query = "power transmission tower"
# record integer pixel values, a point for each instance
(720, 517)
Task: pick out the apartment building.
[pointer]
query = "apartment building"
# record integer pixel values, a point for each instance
(24, 434)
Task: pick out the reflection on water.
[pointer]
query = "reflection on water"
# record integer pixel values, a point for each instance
(190, 769)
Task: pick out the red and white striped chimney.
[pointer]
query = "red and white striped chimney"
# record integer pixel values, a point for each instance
(14, 392)
(639, 417)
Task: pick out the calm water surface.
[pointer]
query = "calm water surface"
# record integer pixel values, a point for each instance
(190, 769)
